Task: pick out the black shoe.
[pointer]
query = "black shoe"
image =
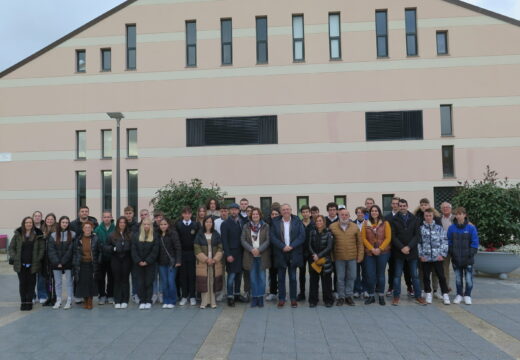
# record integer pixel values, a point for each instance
(49, 302)
(329, 304)
(231, 302)
(312, 305)
(29, 306)
(382, 300)
(22, 307)
(340, 302)
(349, 301)
(370, 300)
(300, 297)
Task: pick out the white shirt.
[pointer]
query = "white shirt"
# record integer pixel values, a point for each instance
(286, 232)
(210, 251)
(256, 242)
(218, 224)
(187, 223)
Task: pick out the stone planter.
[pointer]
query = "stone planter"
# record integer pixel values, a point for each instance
(500, 263)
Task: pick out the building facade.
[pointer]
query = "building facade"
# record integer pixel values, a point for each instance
(288, 101)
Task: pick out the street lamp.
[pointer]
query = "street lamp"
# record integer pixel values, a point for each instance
(118, 116)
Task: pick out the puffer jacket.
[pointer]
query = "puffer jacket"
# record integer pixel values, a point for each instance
(15, 250)
(147, 251)
(433, 242)
(170, 249)
(61, 253)
(463, 243)
(321, 243)
(119, 245)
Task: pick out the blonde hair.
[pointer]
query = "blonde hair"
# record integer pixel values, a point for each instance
(143, 236)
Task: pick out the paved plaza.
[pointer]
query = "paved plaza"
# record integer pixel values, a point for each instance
(487, 330)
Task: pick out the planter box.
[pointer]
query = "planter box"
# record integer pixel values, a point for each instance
(496, 263)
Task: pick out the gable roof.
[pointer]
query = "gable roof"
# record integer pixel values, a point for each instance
(123, 5)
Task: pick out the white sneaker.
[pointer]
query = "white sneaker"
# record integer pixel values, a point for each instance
(446, 299)
(160, 298)
(110, 301)
(117, 306)
(124, 305)
(135, 298)
(78, 300)
(467, 300)
(171, 306)
(183, 301)
(148, 306)
(458, 299)
(42, 301)
(57, 304)
(154, 298)
(220, 297)
(142, 306)
(269, 297)
(102, 300)
(193, 301)
(438, 295)
(365, 295)
(428, 298)
(165, 306)
(68, 303)
(336, 296)
(356, 295)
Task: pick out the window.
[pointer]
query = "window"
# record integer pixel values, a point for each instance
(298, 38)
(106, 190)
(131, 47)
(411, 32)
(81, 145)
(191, 43)
(261, 40)
(226, 36)
(448, 169)
(444, 193)
(340, 199)
(334, 36)
(265, 206)
(81, 61)
(228, 201)
(131, 141)
(232, 131)
(81, 189)
(106, 59)
(394, 125)
(382, 33)
(106, 144)
(387, 204)
(442, 42)
(300, 201)
(132, 188)
(446, 120)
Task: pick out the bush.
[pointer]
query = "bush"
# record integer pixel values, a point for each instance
(172, 197)
(493, 206)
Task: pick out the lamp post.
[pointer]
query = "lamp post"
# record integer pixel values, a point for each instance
(117, 116)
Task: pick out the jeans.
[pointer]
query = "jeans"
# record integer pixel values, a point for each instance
(234, 280)
(292, 282)
(169, 289)
(345, 277)
(257, 277)
(41, 286)
(412, 265)
(361, 283)
(58, 275)
(466, 273)
(157, 283)
(375, 271)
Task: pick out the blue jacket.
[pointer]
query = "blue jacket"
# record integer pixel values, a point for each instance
(297, 239)
(463, 243)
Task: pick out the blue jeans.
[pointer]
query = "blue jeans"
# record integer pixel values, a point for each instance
(167, 276)
(467, 274)
(292, 282)
(361, 283)
(345, 277)
(375, 267)
(257, 277)
(412, 265)
(157, 282)
(41, 287)
(234, 280)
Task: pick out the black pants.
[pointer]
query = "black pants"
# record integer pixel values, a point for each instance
(26, 282)
(145, 276)
(326, 286)
(105, 279)
(121, 272)
(407, 275)
(187, 274)
(427, 268)
(302, 272)
(273, 280)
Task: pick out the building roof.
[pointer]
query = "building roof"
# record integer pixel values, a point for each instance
(123, 5)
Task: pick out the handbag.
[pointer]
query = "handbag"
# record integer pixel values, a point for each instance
(318, 265)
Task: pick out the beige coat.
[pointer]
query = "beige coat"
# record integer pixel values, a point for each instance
(348, 244)
(201, 270)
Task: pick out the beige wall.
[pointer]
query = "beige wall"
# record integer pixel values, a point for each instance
(321, 104)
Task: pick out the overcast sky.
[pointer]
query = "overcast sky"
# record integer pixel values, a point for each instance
(26, 26)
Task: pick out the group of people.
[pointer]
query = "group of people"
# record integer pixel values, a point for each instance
(194, 257)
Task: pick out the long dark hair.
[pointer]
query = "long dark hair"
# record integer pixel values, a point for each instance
(380, 214)
(204, 224)
(23, 224)
(47, 231)
(117, 231)
(59, 230)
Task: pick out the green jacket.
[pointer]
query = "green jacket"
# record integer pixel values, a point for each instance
(103, 238)
(15, 251)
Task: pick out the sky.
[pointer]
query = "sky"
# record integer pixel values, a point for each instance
(27, 26)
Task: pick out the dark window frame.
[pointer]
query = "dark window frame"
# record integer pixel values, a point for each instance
(229, 200)
(402, 124)
(384, 209)
(382, 35)
(105, 195)
(446, 42)
(260, 42)
(223, 43)
(81, 189)
(78, 132)
(448, 163)
(190, 45)
(103, 156)
(450, 119)
(104, 68)
(128, 144)
(297, 40)
(340, 197)
(269, 199)
(333, 38)
(130, 201)
(80, 52)
(298, 198)
(131, 48)
(411, 33)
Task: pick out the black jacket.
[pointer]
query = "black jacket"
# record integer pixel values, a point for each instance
(170, 251)
(321, 244)
(308, 229)
(119, 245)
(76, 225)
(230, 234)
(60, 253)
(77, 253)
(187, 234)
(296, 237)
(144, 250)
(405, 233)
